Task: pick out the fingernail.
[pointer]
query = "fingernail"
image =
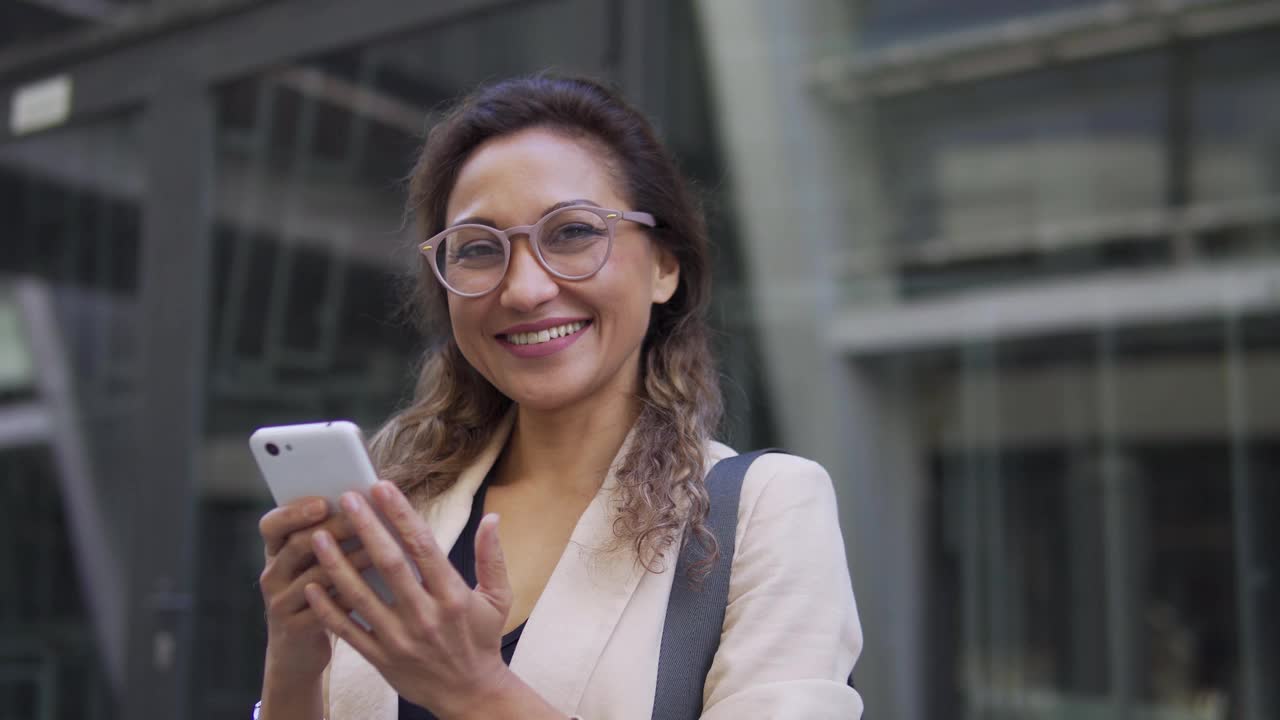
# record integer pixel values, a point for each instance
(321, 540)
(383, 490)
(315, 510)
(350, 502)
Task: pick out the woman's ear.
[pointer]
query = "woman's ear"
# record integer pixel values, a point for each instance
(666, 275)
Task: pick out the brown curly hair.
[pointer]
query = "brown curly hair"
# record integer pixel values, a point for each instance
(454, 411)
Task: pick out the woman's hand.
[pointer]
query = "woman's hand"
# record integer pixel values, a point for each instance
(297, 645)
(439, 644)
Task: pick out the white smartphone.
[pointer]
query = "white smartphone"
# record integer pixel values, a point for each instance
(323, 459)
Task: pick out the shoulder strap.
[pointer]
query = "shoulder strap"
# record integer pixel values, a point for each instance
(695, 614)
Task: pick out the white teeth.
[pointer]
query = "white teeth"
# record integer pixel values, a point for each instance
(535, 338)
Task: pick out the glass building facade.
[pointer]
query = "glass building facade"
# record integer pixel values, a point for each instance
(1009, 270)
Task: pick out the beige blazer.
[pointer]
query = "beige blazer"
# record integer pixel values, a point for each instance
(791, 631)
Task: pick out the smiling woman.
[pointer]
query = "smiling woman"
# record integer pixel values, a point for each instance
(574, 395)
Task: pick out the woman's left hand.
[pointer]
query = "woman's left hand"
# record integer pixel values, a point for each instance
(439, 643)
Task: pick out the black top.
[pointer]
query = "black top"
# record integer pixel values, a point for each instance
(463, 558)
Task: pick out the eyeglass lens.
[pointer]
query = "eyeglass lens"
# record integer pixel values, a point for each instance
(574, 243)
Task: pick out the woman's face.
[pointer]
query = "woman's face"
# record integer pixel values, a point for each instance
(515, 180)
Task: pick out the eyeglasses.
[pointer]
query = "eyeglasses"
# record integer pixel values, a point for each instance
(571, 243)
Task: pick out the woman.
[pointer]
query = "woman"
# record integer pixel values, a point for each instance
(575, 398)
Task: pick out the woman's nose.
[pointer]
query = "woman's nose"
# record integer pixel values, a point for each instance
(527, 284)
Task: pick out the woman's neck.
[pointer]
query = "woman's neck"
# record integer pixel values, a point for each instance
(569, 449)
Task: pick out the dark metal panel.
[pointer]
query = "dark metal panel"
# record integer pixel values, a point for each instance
(231, 46)
(1178, 136)
(124, 25)
(99, 10)
(173, 298)
(641, 36)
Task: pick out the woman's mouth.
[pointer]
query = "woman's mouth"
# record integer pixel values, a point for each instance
(544, 341)
(543, 336)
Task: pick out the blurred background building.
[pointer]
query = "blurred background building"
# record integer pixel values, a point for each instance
(1009, 268)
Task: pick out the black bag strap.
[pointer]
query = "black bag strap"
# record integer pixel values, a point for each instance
(695, 615)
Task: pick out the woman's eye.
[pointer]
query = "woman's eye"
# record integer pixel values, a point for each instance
(477, 254)
(478, 249)
(575, 233)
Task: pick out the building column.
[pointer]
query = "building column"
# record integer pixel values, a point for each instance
(173, 336)
(805, 195)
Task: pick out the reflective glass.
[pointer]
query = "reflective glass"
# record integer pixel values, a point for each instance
(71, 200)
(1044, 260)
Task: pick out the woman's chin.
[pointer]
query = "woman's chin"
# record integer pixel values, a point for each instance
(545, 399)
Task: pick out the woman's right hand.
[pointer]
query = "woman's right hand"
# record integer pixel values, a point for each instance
(297, 645)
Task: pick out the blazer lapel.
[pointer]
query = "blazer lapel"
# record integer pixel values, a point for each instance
(580, 606)
(356, 688)
(447, 513)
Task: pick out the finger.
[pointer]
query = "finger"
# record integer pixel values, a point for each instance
(387, 555)
(352, 589)
(337, 620)
(292, 599)
(276, 526)
(492, 581)
(286, 608)
(297, 554)
(442, 581)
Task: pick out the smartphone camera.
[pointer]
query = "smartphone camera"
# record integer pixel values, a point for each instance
(273, 449)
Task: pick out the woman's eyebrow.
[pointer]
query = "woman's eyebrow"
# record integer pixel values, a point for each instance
(477, 220)
(567, 203)
(473, 221)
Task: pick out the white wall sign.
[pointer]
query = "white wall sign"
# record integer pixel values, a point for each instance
(40, 105)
